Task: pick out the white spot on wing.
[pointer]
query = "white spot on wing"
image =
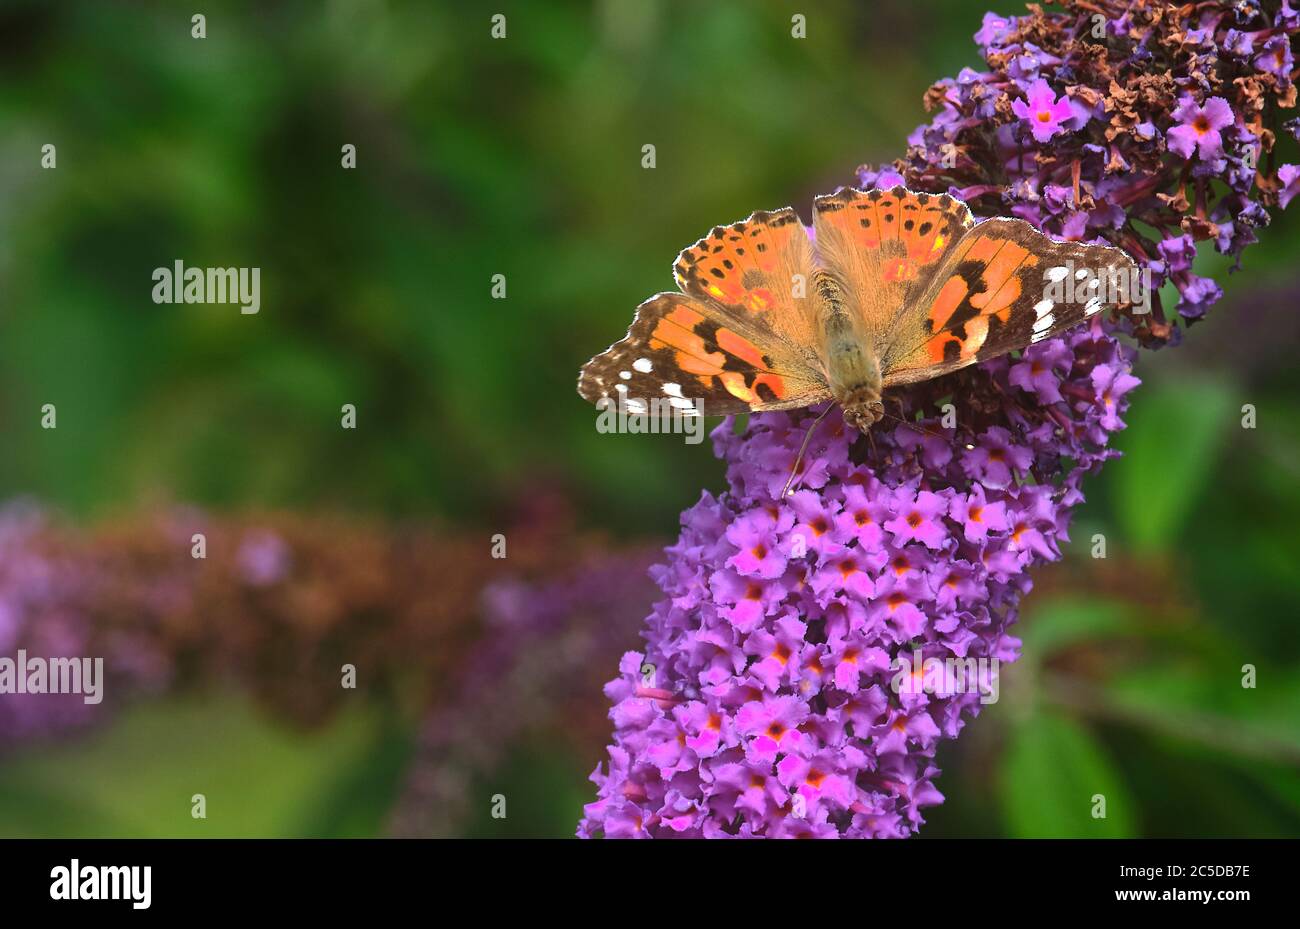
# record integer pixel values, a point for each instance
(673, 390)
(1057, 274)
(625, 375)
(643, 365)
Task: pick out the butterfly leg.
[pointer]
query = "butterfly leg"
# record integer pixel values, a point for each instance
(794, 470)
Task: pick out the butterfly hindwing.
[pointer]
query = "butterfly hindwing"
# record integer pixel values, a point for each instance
(885, 246)
(697, 354)
(999, 288)
(758, 269)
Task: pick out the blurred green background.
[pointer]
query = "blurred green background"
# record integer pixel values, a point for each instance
(522, 157)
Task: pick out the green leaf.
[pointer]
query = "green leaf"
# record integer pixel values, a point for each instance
(259, 778)
(1052, 625)
(544, 790)
(362, 796)
(1052, 775)
(30, 808)
(1175, 431)
(1279, 780)
(1207, 706)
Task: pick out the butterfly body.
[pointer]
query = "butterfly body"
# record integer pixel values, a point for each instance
(851, 365)
(893, 287)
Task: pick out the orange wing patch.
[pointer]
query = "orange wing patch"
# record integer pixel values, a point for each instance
(930, 225)
(886, 246)
(676, 332)
(741, 264)
(1004, 259)
(923, 224)
(950, 297)
(1001, 264)
(706, 349)
(992, 294)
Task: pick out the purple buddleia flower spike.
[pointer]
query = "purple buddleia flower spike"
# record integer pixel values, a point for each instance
(773, 696)
(811, 652)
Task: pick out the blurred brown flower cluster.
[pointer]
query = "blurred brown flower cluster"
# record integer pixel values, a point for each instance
(279, 603)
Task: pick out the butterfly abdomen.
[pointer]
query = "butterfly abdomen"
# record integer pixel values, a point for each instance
(852, 367)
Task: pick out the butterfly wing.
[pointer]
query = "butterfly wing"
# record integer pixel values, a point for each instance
(686, 349)
(757, 269)
(884, 247)
(739, 336)
(1000, 287)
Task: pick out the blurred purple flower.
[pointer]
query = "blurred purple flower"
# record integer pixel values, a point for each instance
(543, 639)
(1275, 57)
(1289, 175)
(263, 558)
(36, 616)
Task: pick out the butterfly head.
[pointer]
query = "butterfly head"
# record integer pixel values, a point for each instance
(863, 412)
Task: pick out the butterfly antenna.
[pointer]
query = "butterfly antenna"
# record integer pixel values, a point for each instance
(919, 428)
(794, 471)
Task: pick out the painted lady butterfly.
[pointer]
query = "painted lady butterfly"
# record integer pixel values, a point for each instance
(895, 287)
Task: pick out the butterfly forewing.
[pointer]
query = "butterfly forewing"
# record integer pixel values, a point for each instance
(738, 338)
(1003, 286)
(698, 355)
